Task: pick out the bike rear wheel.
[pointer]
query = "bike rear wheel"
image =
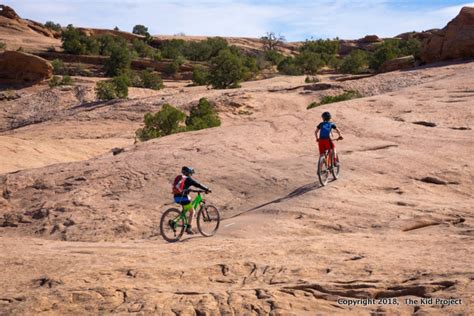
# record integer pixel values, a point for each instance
(323, 170)
(208, 220)
(171, 225)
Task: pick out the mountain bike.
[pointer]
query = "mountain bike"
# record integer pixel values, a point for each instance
(328, 163)
(173, 221)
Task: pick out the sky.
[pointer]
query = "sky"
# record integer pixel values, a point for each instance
(295, 20)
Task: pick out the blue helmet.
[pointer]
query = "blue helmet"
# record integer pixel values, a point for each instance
(326, 116)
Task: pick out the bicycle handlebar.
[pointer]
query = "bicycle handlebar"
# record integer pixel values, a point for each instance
(199, 191)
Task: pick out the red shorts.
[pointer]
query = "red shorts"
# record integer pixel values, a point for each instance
(325, 144)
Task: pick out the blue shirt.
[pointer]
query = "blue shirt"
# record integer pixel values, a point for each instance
(325, 129)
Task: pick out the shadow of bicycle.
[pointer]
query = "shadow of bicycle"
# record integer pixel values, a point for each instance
(295, 193)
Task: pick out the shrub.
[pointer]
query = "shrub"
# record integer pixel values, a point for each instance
(202, 116)
(172, 68)
(121, 84)
(312, 105)
(58, 81)
(116, 28)
(142, 48)
(309, 62)
(140, 30)
(108, 43)
(3, 45)
(164, 122)
(388, 50)
(58, 66)
(412, 46)
(119, 61)
(151, 80)
(67, 81)
(74, 42)
(54, 81)
(200, 76)
(226, 70)
(325, 48)
(112, 89)
(53, 26)
(348, 95)
(354, 63)
(173, 48)
(157, 55)
(288, 66)
(274, 57)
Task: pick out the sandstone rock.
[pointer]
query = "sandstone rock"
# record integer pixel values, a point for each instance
(8, 12)
(19, 67)
(398, 63)
(454, 41)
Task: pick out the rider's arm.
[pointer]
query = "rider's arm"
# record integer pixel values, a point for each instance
(194, 183)
(316, 133)
(338, 132)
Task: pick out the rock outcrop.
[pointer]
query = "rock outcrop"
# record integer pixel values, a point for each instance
(20, 68)
(454, 41)
(398, 64)
(8, 12)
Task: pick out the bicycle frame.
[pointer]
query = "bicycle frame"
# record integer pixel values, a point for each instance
(198, 200)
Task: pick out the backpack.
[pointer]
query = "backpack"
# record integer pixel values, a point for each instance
(178, 185)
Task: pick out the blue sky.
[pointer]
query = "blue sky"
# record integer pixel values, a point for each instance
(296, 20)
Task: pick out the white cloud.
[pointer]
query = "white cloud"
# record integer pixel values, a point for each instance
(296, 20)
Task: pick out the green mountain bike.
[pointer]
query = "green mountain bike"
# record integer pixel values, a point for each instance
(173, 221)
(328, 163)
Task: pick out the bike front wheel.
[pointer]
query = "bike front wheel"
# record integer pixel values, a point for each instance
(208, 220)
(172, 225)
(323, 170)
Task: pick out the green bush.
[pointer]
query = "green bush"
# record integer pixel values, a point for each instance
(288, 66)
(3, 45)
(157, 55)
(309, 62)
(53, 26)
(202, 116)
(348, 95)
(172, 68)
(74, 42)
(121, 84)
(140, 30)
(412, 46)
(58, 81)
(58, 66)
(54, 81)
(325, 48)
(388, 50)
(354, 63)
(164, 122)
(142, 48)
(274, 57)
(226, 70)
(150, 80)
(200, 76)
(67, 81)
(112, 89)
(107, 43)
(119, 61)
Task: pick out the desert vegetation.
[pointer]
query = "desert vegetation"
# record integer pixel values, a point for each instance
(60, 81)
(170, 120)
(347, 95)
